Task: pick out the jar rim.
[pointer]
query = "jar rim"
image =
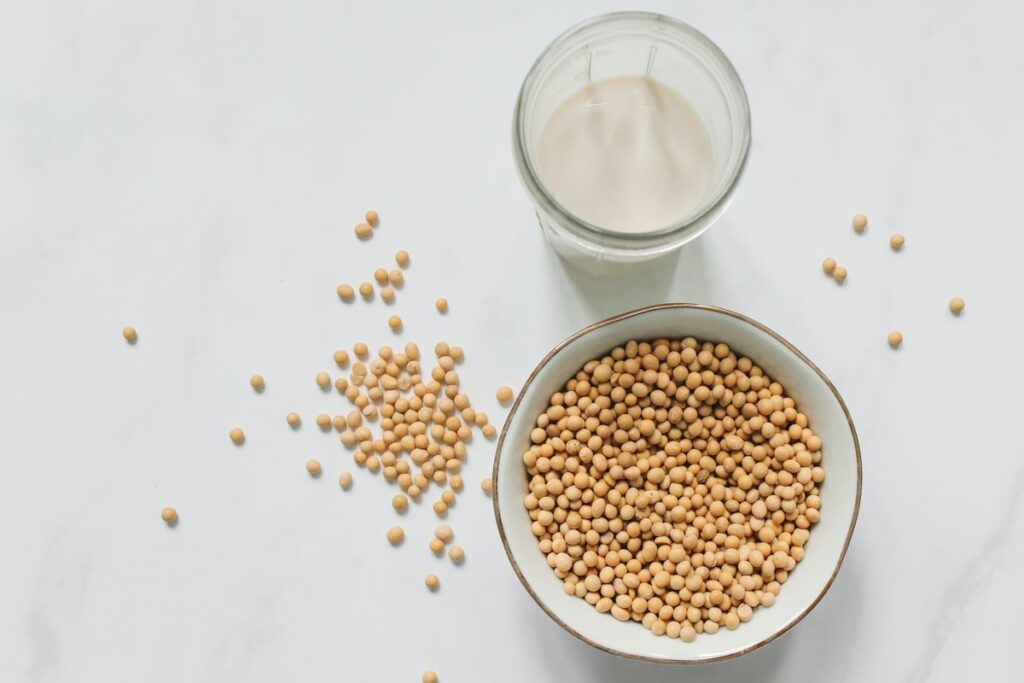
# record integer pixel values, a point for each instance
(687, 228)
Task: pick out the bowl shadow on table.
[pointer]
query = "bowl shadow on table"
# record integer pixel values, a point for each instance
(622, 287)
(820, 646)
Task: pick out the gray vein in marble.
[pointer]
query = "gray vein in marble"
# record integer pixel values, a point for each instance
(232, 657)
(59, 593)
(964, 587)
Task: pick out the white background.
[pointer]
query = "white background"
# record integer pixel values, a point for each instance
(195, 169)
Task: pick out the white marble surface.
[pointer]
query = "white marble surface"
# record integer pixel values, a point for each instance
(195, 168)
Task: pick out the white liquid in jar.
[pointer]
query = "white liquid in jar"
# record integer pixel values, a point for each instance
(626, 154)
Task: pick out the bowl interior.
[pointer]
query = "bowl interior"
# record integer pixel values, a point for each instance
(814, 395)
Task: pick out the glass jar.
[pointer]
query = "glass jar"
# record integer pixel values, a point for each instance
(624, 44)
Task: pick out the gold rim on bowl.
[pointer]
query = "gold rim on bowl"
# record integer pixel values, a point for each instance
(623, 316)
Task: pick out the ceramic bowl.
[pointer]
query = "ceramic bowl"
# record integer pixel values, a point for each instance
(840, 494)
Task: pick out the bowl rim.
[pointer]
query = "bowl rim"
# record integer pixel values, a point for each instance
(631, 314)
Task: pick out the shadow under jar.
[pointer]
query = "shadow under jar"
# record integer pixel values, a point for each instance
(670, 55)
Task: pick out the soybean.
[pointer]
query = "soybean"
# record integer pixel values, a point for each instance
(860, 222)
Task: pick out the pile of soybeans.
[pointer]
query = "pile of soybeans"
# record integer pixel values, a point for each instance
(674, 484)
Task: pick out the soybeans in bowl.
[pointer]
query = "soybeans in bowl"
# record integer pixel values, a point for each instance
(663, 473)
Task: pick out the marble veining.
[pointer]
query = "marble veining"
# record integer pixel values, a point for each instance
(195, 169)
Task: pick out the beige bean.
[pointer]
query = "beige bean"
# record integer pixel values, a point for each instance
(860, 222)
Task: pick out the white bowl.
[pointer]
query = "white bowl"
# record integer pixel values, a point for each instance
(840, 493)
